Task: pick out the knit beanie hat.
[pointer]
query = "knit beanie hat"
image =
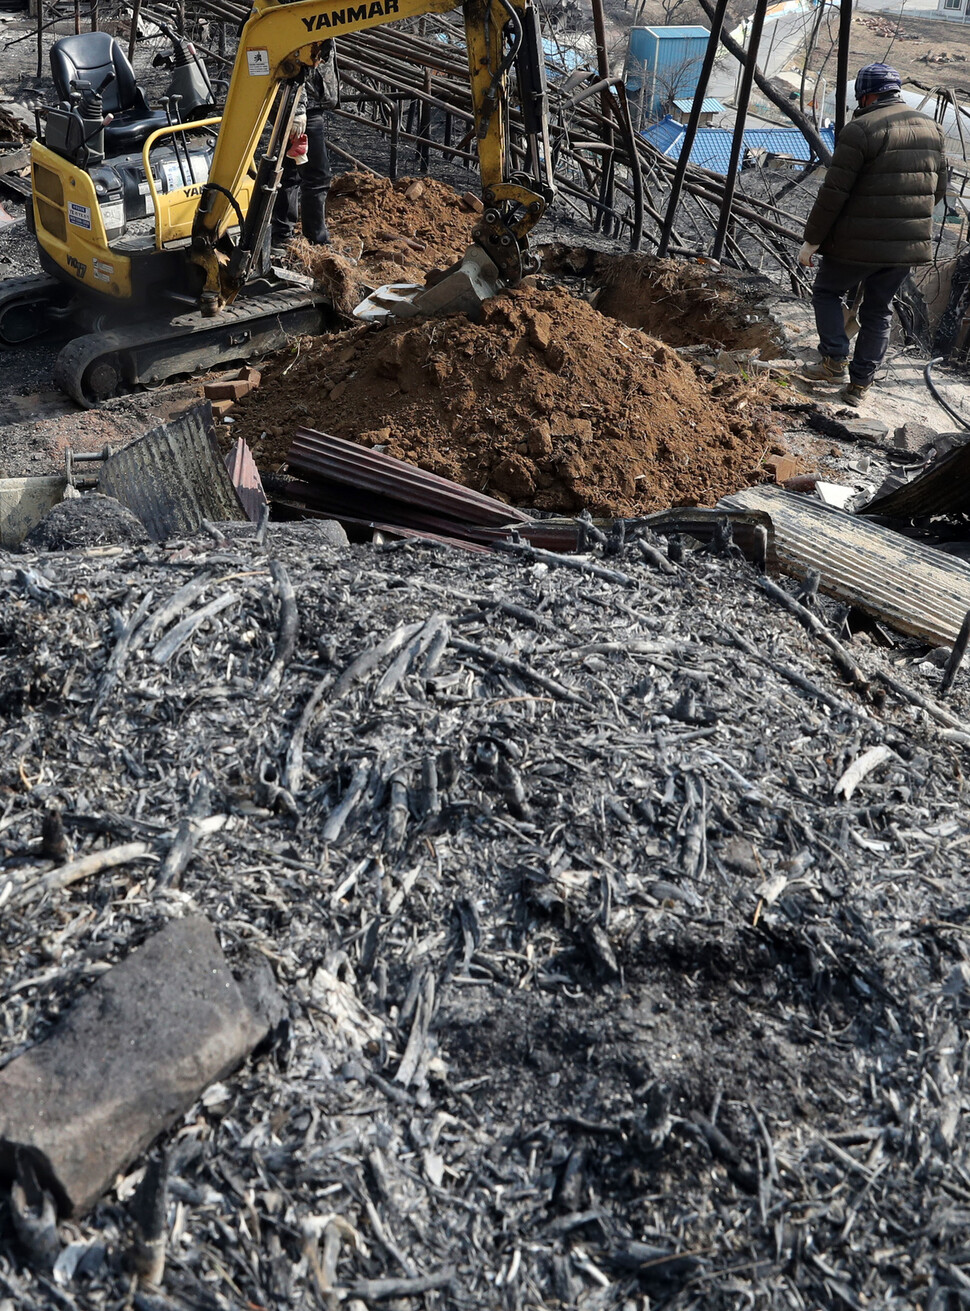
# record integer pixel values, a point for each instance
(878, 78)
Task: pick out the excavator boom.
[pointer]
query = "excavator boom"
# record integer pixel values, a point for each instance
(281, 42)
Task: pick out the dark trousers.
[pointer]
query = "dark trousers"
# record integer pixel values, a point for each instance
(875, 313)
(303, 189)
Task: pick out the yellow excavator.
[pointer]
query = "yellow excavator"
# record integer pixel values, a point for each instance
(151, 224)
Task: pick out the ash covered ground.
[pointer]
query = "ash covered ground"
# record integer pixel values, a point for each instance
(611, 983)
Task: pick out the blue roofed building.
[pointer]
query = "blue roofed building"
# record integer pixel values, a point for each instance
(665, 134)
(663, 63)
(712, 145)
(680, 110)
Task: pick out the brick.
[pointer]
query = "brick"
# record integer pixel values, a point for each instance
(781, 467)
(253, 376)
(221, 408)
(127, 1061)
(472, 202)
(228, 389)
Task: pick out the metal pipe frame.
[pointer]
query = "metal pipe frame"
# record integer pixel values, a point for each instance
(842, 64)
(737, 141)
(693, 122)
(604, 166)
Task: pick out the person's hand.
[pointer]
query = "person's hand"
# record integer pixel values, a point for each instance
(805, 255)
(297, 149)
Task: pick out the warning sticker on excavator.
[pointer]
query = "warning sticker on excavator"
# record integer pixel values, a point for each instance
(79, 216)
(258, 62)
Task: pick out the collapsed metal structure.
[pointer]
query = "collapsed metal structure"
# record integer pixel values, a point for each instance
(408, 84)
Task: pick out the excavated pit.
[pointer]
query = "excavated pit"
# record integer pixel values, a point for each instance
(546, 402)
(682, 304)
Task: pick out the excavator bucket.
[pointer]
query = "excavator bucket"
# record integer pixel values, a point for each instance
(459, 290)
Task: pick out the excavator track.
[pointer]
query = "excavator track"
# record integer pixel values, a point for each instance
(92, 368)
(25, 305)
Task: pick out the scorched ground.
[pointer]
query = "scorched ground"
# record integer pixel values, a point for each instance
(608, 986)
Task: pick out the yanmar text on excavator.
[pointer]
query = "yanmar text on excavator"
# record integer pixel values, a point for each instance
(151, 224)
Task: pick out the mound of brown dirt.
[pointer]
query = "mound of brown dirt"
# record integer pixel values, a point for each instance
(392, 231)
(545, 403)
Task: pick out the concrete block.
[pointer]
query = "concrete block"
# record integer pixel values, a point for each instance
(130, 1058)
(24, 502)
(866, 430)
(854, 430)
(913, 437)
(329, 531)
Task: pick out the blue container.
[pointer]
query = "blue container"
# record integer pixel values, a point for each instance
(664, 63)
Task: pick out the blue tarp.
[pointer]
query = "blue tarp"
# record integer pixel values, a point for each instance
(712, 145)
(564, 56)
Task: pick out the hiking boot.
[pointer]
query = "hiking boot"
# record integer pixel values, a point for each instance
(854, 394)
(827, 370)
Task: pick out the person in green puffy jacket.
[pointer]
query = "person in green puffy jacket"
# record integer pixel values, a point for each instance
(872, 221)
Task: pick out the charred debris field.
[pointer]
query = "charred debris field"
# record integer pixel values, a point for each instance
(622, 939)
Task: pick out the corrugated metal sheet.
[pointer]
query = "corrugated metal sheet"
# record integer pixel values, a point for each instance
(549, 534)
(664, 134)
(677, 32)
(246, 480)
(331, 460)
(172, 478)
(943, 488)
(914, 588)
(712, 145)
(348, 505)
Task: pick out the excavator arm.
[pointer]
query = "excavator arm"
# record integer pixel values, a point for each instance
(280, 43)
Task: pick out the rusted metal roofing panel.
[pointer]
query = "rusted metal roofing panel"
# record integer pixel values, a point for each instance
(172, 478)
(943, 488)
(347, 503)
(350, 506)
(915, 588)
(246, 480)
(334, 460)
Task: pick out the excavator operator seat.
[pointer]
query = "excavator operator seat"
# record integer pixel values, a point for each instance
(90, 57)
